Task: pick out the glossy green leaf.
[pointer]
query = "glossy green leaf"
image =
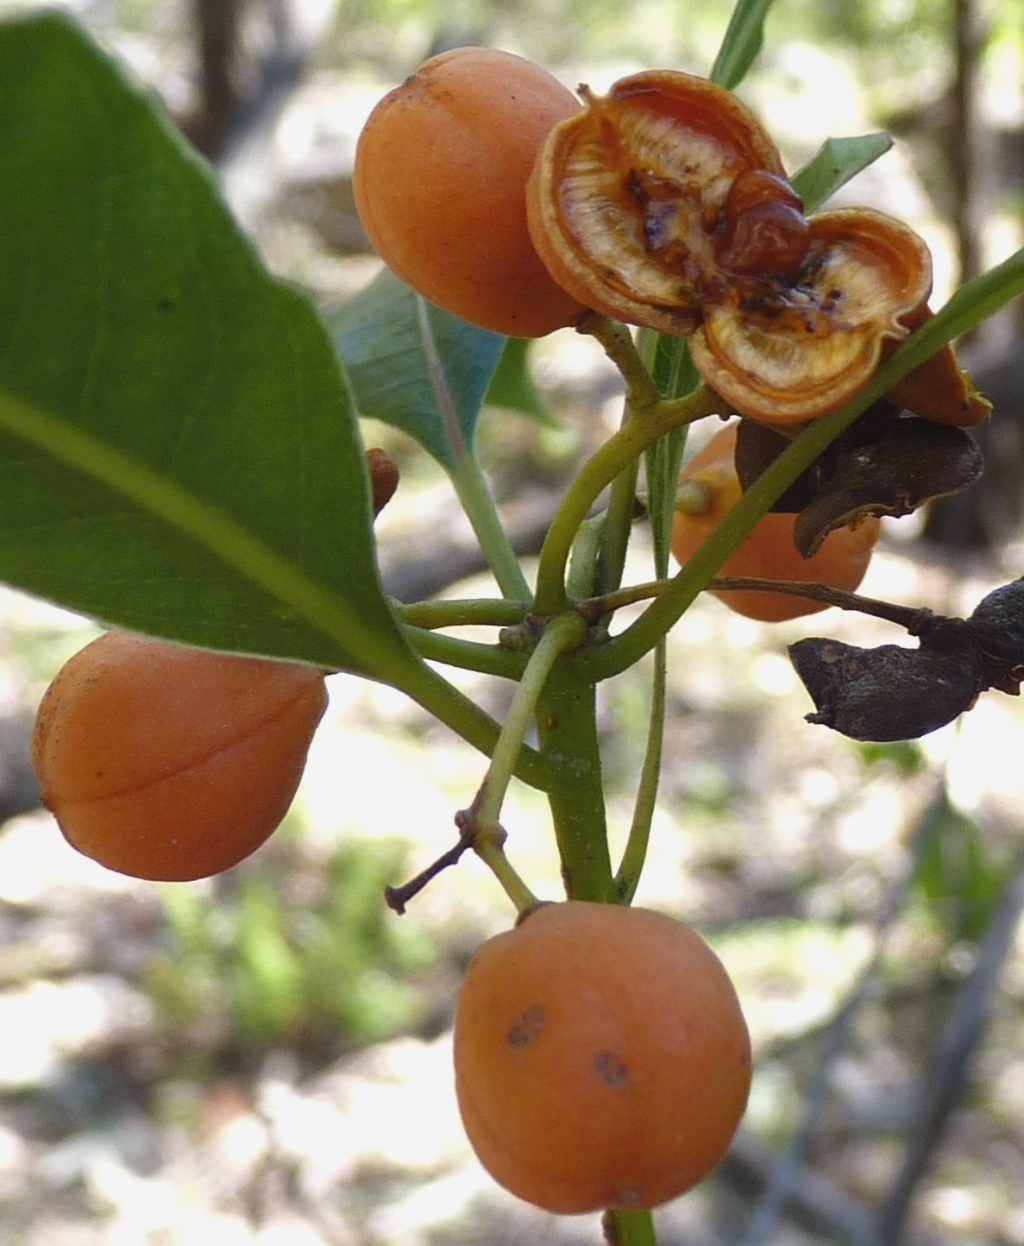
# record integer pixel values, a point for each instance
(414, 366)
(836, 162)
(178, 452)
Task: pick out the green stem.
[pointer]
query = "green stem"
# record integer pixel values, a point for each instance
(446, 703)
(466, 655)
(567, 730)
(617, 342)
(910, 617)
(629, 1228)
(471, 612)
(970, 305)
(635, 853)
(595, 608)
(475, 496)
(488, 847)
(679, 593)
(563, 633)
(618, 529)
(641, 429)
(741, 42)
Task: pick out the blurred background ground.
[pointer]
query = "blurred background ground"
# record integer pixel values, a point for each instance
(265, 1058)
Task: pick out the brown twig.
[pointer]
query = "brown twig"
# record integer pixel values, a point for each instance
(396, 898)
(914, 619)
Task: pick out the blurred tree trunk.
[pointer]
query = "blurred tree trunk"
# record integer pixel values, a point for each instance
(990, 512)
(217, 26)
(972, 143)
(251, 55)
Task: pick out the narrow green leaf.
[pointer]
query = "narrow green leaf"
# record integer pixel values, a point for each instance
(676, 376)
(662, 463)
(834, 164)
(426, 372)
(741, 44)
(178, 452)
(414, 366)
(672, 367)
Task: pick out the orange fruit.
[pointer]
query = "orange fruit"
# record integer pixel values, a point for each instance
(172, 763)
(601, 1057)
(440, 177)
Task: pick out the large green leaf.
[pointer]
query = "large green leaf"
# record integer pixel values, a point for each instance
(178, 452)
(414, 366)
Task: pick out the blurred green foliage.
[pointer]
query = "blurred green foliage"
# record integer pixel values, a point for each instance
(901, 42)
(905, 756)
(512, 386)
(293, 949)
(960, 874)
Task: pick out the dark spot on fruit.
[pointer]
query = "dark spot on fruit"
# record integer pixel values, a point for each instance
(528, 1027)
(609, 1068)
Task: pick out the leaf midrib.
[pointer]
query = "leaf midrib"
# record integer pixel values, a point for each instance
(221, 535)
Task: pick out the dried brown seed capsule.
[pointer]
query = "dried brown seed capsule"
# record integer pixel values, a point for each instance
(785, 350)
(940, 389)
(627, 204)
(890, 693)
(907, 464)
(997, 623)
